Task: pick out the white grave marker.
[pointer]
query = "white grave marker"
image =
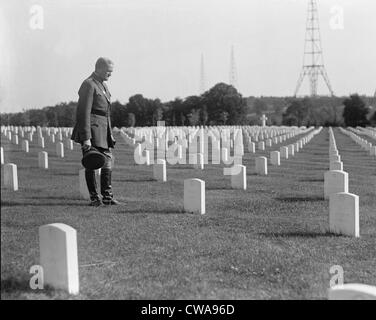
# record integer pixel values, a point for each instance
(261, 166)
(25, 145)
(352, 291)
(199, 162)
(239, 177)
(275, 158)
(263, 120)
(10, 176)
(335, 181)
(344, 214)
(336, 165)
(58, 256)
(60, 149)
(194, 196)
(159, 170)
(43, 159)
(284, 152)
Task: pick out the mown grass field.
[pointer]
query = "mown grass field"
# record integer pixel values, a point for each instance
(268, 242)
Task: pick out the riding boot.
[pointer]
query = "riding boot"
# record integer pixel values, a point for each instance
(91, 183)
(106, 188)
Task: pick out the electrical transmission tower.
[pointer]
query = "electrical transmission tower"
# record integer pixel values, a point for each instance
(202, 76)
(233, 73)
(313, 61)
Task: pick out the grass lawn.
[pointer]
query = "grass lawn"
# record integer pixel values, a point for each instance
(268, 242)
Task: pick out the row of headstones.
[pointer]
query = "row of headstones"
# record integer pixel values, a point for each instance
(360, 141)
(25, 143)
(343, 206)
(216, 149)
(58, 256)
(159, 170)
(14, 138)
(31, 129)
(252, 130)
(171, 132)
(368, 131)
(237, 172)
(343, 217)
(10, 169)
(59, 146)
(16, 133)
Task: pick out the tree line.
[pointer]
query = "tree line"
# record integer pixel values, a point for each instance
(220, 105)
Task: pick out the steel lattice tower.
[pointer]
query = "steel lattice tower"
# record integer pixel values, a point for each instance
(233, 73)
(313, 61)
(202, 76)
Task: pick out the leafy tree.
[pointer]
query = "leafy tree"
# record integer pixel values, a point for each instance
(158, 112)
(224, 98)
(260, 106)
(296, 112)
(194, 117)
(355, 111)
(204, 115)
(66, 114)
(131, 120)
(37, 117)
(51, 115)
(373, 118)
(223, 117)
(118, 114)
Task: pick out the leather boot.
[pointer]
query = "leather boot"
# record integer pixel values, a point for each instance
(91, 183)
(106, 188)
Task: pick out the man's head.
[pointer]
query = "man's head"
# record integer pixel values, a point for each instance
(104, 68)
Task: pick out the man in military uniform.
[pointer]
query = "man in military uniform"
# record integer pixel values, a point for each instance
(93, 129)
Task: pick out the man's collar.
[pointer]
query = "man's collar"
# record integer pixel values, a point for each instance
(96, 77)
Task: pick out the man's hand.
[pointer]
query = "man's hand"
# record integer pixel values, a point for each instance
(86, 145)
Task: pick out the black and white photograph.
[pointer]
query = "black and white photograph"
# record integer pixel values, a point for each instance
(188, 155)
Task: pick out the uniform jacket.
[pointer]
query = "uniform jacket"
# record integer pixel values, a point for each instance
(93, 114)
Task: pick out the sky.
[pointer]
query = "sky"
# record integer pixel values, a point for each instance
(48, 47)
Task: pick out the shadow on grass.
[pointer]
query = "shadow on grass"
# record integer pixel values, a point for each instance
(219, 188)
(301, 234)
(321, 168)
(312, 180)
(135, 180)
(15, 285)
(181, 167)
(40, 204)
(68, 174)
(152, 211)
(12, 284)
(54, 198)
(298, 199)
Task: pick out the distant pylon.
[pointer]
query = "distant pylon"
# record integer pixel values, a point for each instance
(202, 76)
(313, 61)
(233, 73)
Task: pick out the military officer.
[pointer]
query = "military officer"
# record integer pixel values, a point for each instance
(93, 129)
